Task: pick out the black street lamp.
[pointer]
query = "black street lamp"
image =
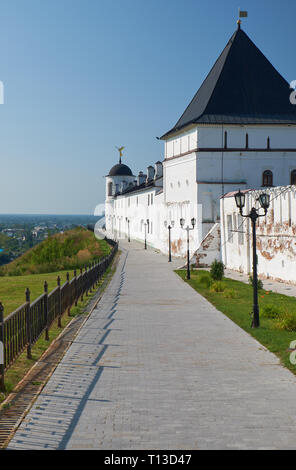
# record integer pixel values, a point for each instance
(264, 200)
(170, 227)
(182, 222)
(128, 229)
(145, 225)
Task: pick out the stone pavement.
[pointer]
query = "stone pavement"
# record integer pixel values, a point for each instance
(157, 367)
(268, 284)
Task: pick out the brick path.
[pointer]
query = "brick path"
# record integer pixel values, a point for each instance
(157, 367)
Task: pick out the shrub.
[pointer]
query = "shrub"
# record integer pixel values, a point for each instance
(15, 272)
(217, 287)
(205, 280)
(271, 311)
(286, 321)
(217, 270)
(229, 294)
(259, 282)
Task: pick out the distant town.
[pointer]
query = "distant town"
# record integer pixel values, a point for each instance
(19, 232)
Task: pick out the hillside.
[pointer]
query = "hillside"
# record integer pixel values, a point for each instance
(64, 251)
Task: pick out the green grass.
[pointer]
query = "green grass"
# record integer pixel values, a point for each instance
(239, 308)
(13, 288)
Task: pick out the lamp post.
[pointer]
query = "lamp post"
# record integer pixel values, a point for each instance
(182, 222)
(128, 229)
(264, 200)
(170, 226)
(145, 225)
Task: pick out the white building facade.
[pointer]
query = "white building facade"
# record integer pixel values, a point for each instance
(238, 132)
(275, 235)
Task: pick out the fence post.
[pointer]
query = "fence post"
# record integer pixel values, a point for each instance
(75, 284)
(2, 359)
(86, 277)
(28, 324)
(97, 273)
(81, 283)
(46, 310)
(68, 292)
(91, 276)
(59, 303)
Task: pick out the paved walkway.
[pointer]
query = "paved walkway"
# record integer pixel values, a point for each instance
(157, 367)
(268, 284)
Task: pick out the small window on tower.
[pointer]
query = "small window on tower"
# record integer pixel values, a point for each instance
(110, 189)
(267, 178)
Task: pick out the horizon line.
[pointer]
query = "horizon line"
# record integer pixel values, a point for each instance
(49, 214)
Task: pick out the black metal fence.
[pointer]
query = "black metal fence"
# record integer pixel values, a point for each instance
(23, 327)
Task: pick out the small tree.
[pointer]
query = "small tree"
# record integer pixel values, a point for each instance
(217, 270)
(259, 282)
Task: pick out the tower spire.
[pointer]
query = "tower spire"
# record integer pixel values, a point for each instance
(120, 150)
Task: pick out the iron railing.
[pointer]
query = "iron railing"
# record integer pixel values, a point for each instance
(23, 327)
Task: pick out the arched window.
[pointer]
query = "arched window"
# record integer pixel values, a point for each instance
(267, 178)
(110, 189)
(293, 177)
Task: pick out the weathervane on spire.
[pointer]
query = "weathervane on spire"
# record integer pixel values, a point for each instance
(120, 150)
(241, 14)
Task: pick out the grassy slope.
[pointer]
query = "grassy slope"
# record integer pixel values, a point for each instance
(59, 252)
(84, 247)
(238, 310)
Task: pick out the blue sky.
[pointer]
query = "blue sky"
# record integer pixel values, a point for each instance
(82, 76)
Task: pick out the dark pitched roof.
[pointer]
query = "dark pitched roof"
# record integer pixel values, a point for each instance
(120, 170)
(243, 87)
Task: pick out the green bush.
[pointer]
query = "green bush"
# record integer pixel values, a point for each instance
(286, 321)
(217, 286)
(259, 282)
(205, 280)
(217, 270)
(271, 311)
(15, 272)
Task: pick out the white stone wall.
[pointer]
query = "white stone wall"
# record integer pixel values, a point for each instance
(148, 204)
(181, 143)
(276, 235)
(197, 170)
(281, 137)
